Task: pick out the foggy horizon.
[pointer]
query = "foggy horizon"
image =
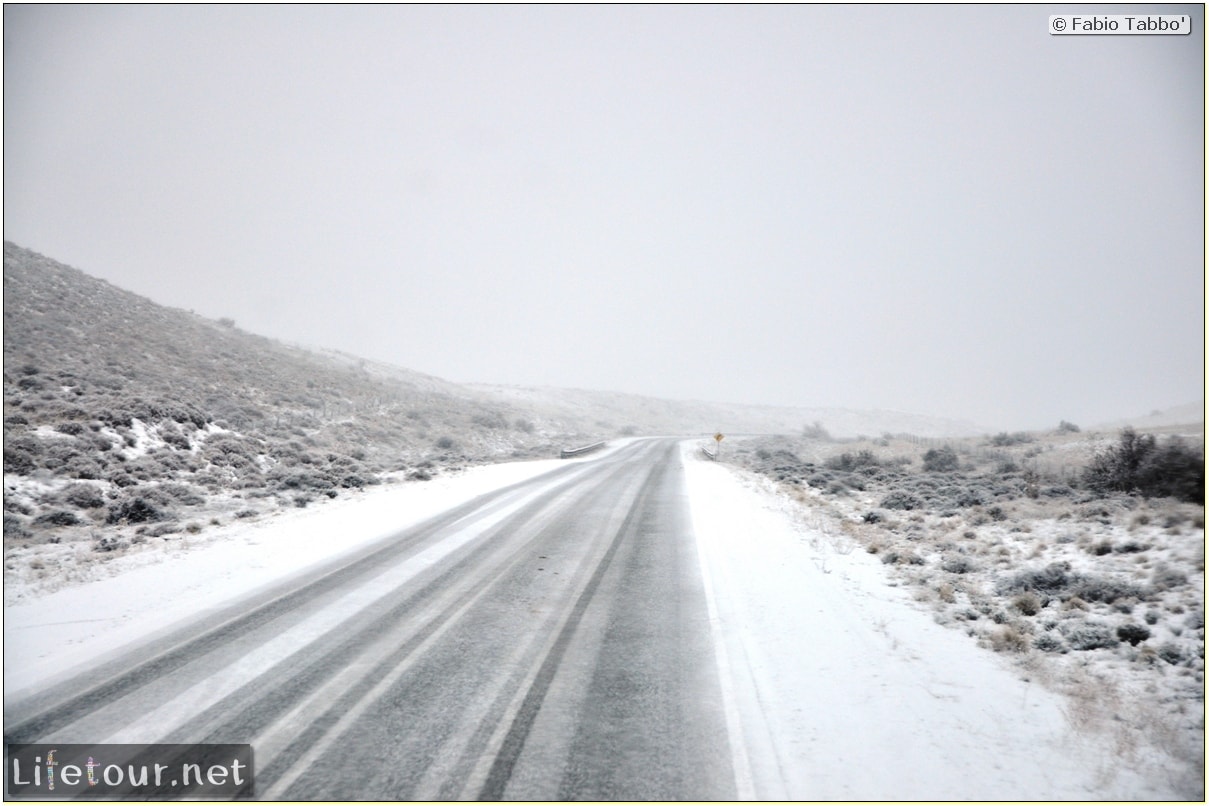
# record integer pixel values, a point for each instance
(942, 210)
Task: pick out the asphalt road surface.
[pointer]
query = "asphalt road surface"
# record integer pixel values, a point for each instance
(548, 641)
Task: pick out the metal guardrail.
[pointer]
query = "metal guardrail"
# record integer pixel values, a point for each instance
(567, 453)
(713, 457)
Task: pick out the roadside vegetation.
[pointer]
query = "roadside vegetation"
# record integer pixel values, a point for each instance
(1079, 556)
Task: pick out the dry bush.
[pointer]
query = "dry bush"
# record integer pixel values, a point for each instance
(1027, 603)
(1009, 638)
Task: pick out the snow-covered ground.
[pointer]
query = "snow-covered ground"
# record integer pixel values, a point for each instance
(839, 683)
(843, 686)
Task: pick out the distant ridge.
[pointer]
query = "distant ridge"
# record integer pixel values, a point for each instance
(1189, 414)
(693, 416)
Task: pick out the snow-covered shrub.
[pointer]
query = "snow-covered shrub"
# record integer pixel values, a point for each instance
(170, 460)
(115, 418)
(816, 431)
(161, 529)
(108, 543)
(1006, 466)
(941, 460)
(902, 558)
(153, 411)
(1172, 652)
(174, 437)
(1173, 519)
(1052, 579)
(233, 452)
(1138, 463)
(1133, 633)
(1103, 589)
(58, 454)
(352, 480)
(1165, 577)
(14, 526)
(21, 455)
(1027, 603)
(1049, 642)
(900, 499)
(169, 492)
(819, 480)
(82, 496)
(57, 517)
(849, 462)
(80, 466)
(1057, 580)
(1004, 439)
(134, 510)
(965, 497)
(118, 477)
(1086, 635)
(303, 479)
(959, 564)
(1130, 547)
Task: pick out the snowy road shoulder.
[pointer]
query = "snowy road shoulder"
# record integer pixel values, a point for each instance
(845, 690)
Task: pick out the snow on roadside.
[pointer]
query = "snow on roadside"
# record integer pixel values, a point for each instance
(843, 689)
(130, 597)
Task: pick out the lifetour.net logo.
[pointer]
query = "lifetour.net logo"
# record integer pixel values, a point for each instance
(46, 771)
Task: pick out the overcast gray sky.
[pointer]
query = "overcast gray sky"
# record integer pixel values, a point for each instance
(938, 209)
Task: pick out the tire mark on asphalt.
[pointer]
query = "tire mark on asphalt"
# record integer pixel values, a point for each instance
(304, 753)
(514, 740)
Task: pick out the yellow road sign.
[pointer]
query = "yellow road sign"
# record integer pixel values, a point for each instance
(718, 437)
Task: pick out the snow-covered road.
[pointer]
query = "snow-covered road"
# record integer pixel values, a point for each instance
(691, 590)
(547, 640)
